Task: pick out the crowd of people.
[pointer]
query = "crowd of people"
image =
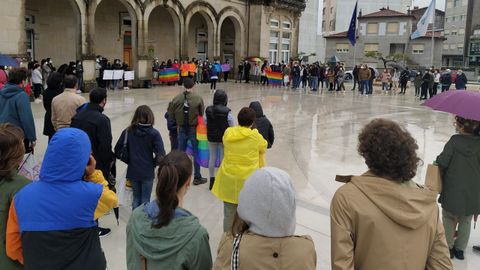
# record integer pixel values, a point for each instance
(52, 222)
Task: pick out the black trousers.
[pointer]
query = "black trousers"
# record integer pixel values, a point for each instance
(424, 91)
(213, 85)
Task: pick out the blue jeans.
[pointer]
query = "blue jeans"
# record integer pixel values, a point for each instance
(314, 83)
(365, 86)
(142, 190)
(183, 137)
(370, 87)
(296, 82)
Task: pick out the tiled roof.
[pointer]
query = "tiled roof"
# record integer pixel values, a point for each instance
(384, 12)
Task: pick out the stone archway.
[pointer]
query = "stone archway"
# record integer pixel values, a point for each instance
(200, 31)
(231, 37)
(54, 29)
(115, 30)
(162, 32)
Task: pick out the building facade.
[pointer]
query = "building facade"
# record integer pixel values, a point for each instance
(388, 32)
(458, 17)
(337, 13)
(136, 31)
(308, 30)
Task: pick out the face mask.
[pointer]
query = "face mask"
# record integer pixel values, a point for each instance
(51, 62)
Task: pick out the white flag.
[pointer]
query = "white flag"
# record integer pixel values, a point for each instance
(427, 18)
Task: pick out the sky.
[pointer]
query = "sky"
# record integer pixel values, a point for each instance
(439, 4)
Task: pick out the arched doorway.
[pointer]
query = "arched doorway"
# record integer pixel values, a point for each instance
(116, 31)
(228, 44)
(200, 37)
(163, 34)
(53, 30)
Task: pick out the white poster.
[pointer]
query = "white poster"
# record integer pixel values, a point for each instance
(118, 74)
(107, 75)
(129, 75)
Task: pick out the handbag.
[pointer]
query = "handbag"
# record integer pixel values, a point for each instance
(433, 179)
(123, 154)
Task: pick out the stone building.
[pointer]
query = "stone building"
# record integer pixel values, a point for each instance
(136, 31)
(388, 32)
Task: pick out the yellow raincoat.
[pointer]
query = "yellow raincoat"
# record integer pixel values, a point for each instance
(244, 153)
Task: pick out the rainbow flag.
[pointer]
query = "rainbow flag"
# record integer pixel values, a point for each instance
(274, 78)
(168, 75)
(203, 156)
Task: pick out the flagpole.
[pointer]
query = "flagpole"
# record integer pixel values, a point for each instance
(433, 32)
(354, 55)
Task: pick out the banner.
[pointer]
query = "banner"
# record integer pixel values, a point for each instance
(118, 74)
(168, 75)
(129, 75)
(203, 155)
(275, 78)
(107, 75)
(226, 68)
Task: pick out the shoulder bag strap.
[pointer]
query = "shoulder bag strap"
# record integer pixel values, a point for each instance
(125, 139)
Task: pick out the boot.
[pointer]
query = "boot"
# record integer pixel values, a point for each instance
(212, 181)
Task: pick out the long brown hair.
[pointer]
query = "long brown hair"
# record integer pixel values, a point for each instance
(174, 170)
(143, 115)
(11, 148)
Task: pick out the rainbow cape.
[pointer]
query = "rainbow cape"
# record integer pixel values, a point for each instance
(203, 156)
(168, 75)
(274, 78)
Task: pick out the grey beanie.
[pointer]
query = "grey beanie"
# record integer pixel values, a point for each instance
(267, 203)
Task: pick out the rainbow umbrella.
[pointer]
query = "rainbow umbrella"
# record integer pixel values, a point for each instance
(254, 59)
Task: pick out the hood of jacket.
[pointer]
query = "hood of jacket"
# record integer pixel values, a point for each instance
(66, 157)
(257, 107)
(161, 243)
(238, 133)
(10, 90)
(220, 98)
(142, 130)
(267, 203)
(404, 205)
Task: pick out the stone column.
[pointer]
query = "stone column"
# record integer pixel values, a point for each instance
(12, 30)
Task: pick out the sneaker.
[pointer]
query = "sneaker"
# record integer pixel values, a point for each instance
(476, 248)
(102, 232)
(199, 181)
(79, 91)
(452, 253)
(459, 254)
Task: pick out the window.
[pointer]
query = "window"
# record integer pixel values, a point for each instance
(447, 32)
(456, 3)
(461, 31)
(372, 28)
(476, 32)
(392, 28)
(449, 3)
(274, 34)
(342, 47)
(331, 10)
(446, 19)
(460, 46)
(274, 23)
(273, 52)
(332, 25)
(371, 47)
(286, 25)
(446, 46)
(286, 53)
(324, 11)
(286, 35)
(453, 18)
(273, 46)
(323, 25)
(454, 32)
(463, 17)
(418, 48)
(453, 46)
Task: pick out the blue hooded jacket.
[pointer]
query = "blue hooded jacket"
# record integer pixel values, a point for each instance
(60, 200)
(15, 109)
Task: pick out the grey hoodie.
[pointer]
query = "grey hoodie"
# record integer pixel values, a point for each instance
(267, 203)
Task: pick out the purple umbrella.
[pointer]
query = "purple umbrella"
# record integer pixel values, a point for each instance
(462, 103)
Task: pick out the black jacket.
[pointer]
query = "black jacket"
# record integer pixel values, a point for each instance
(48, 129)
(97, 126)
(263, 124)
(217, 117)
(145, 146)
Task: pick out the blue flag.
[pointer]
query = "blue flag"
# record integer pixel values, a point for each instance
(352, 30)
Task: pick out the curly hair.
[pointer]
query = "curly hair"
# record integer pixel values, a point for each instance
(389, 150)
(11, 148)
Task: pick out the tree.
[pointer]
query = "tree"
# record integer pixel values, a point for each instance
(398, 58)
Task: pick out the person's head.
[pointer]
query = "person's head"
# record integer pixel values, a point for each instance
(143, 116)
(246, 117)
(71, 147)
(467, 126)
(385, 71)
(460, 72)
(55, 81)
(36, 66)
(17, 75)
(266, 204)
(11, 148)
(174, 177)
(188, 84)
(220, 98)
(49, 61)
(389, 150)
(70, 82)
(98, 96)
